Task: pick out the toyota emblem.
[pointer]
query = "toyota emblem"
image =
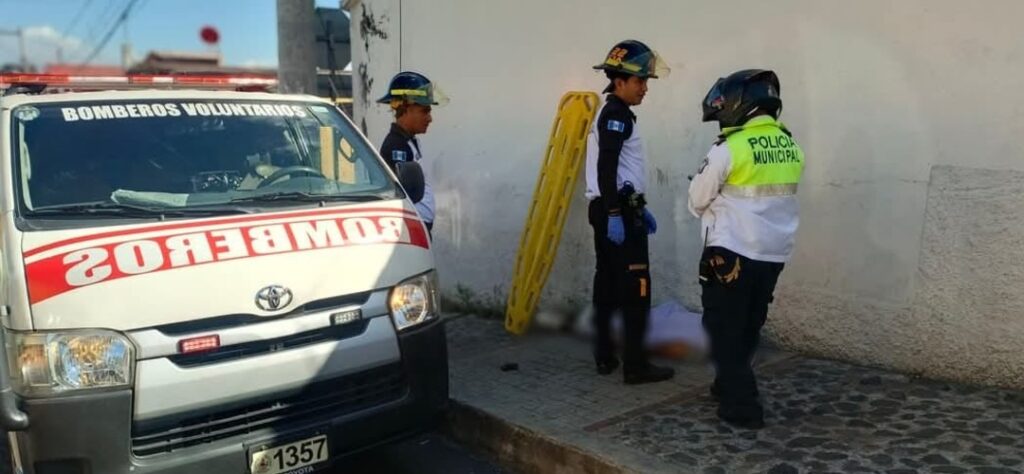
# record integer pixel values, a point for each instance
(273, 298)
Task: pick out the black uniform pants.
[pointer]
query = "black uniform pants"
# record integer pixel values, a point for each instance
(736, 292)
(622, 281)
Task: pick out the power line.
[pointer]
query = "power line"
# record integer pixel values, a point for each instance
(120, 19)
(103, 18)
(78, 16)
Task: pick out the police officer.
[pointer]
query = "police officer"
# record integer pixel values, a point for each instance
(616, 181)
(411, 97)
(745, 196)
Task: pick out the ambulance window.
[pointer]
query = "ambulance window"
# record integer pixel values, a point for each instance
(179, 155)
(26, 162)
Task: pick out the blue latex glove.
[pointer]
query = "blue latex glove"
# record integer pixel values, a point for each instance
(652, 225)
(616, 231)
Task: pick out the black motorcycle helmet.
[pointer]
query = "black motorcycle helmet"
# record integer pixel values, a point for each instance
(734, 99)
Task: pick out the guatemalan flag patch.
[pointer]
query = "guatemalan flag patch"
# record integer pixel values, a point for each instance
(616, 126)
(398, 155)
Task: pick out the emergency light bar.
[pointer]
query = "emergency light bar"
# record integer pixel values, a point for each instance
(70, 82)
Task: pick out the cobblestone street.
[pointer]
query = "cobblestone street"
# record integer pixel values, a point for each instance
(828, 417)
(822, 416)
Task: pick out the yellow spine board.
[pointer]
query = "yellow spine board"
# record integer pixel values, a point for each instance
(538, 245)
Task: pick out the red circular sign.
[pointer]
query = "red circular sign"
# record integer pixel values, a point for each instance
(209, 35)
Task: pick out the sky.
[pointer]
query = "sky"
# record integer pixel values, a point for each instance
(248, 29)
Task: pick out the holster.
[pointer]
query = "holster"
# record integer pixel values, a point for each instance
(719, 266)
(633, 204)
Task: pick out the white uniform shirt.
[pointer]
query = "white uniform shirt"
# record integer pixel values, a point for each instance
(632, 159)
(759, 228)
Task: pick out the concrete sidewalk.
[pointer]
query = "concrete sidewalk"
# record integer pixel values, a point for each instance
(554, 414)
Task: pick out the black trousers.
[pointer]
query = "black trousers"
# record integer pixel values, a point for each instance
(736, 292)
(622, 281)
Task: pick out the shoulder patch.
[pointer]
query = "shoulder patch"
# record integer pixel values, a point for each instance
(398, 155)
(616, 126)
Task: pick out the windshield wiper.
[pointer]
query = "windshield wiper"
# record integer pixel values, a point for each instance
(110, 208)
(306, 197)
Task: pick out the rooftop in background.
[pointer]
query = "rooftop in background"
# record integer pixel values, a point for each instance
(170, 62)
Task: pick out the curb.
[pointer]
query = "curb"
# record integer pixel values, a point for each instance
(519, 449)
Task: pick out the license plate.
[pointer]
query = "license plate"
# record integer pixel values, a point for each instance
(290, 457)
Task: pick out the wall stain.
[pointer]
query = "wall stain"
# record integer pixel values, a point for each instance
(662, 177)
(366, 83)
(372, 26)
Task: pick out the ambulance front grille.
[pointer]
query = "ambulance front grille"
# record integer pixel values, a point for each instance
(266, 346)
(317, 402)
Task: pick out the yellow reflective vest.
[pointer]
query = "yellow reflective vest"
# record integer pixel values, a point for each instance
(765, 159)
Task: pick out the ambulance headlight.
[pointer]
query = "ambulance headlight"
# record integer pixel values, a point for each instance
(415, 301)
(52, 363)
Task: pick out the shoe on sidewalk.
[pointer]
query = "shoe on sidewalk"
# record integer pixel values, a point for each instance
(605, 367)
(747, 416)
(646, 374)
(716, 391)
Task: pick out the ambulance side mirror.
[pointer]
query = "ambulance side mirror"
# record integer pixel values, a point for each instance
(410, 175)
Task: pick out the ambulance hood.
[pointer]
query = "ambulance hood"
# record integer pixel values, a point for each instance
(147, 275)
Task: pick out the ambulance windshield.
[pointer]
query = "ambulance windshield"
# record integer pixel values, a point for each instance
(180, 157)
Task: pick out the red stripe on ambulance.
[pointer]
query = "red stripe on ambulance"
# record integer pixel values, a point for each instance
(211, 222)
(64, 272)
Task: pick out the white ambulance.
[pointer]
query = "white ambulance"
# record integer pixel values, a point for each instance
(206, 281)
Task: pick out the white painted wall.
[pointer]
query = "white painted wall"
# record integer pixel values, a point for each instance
(911, 115)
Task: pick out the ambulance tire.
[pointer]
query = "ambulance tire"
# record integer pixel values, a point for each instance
(6, 461)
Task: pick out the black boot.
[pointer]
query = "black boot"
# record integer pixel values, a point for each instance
(716, 391)
(636, 368)
(607, 366)
(646, 374)
(742, 416)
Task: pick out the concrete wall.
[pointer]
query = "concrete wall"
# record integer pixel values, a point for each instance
(910, 113)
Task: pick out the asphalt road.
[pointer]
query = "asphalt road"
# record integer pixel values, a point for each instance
(430, 453)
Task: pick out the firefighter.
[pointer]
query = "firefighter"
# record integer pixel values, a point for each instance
(411, 97)
(616, 171)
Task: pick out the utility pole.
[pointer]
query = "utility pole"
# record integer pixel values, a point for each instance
(21, 49)
(126, 48)
(296, 46)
